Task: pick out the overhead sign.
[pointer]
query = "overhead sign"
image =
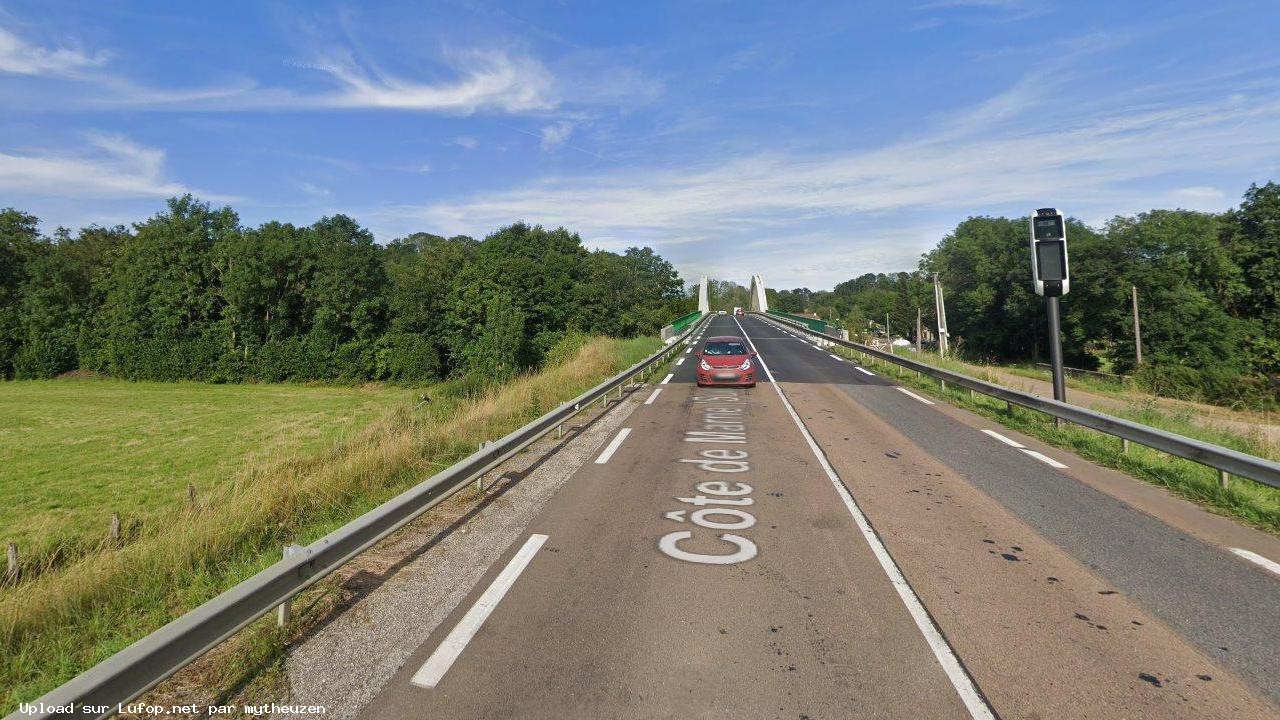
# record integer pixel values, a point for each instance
(1049, 270)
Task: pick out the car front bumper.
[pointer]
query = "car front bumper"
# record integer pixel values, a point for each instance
(726, 376)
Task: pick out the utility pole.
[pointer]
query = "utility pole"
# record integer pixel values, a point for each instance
(1137, 329)
(919, 340)
(940, 309)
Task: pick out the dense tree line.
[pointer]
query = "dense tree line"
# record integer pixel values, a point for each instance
(1208, 289)
(190, 293)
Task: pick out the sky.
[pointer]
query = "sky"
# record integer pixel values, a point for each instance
(806, 142)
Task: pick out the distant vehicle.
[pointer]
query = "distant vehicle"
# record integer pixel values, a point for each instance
(737, 311)
(726, 360)
(719, 312)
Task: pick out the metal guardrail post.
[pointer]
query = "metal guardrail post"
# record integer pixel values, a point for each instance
(284, 613)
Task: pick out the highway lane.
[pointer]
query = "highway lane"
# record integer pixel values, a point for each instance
(710, 563)
(1222, 607)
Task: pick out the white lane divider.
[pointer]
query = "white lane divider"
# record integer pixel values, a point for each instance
(433, 670)
(907, 392)
(1044, 458)
(680, 361)
(945, 656)
(686, 352)
(654, 396)
(1257, 559)
(613, 446)
(836, 357)
(667, 379)
(1003, 439)
(864, 371)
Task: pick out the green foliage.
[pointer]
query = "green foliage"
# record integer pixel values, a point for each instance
(189, 294)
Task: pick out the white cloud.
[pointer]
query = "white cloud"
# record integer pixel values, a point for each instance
(486, 81)
(555, 135)
(465, 141)
(113, 166)
(316, 191)
(1092, 166)
(21, 58)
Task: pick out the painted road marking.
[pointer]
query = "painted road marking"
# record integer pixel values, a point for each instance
(905, 391)
(836, 357)
(946, 657)
(433, 670)
(1043, 458)
(667, 379)
(686, 352)
(653, 397)
(1002, 438)
(613, 446)
(680, 361)
(864, 371)
(1254, 557)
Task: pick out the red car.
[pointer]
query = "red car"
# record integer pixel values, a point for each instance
(726, 360)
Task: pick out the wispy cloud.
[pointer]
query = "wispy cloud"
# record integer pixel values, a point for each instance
(1087, 164)
(555, 135)
(466, 142)
(22, 58)
(111, 166)
(316, 191)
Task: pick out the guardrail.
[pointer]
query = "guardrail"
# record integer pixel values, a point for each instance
(679, 324)
(1225, 460)
(144, 664)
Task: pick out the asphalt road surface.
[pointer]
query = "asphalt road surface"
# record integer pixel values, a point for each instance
(826, 545)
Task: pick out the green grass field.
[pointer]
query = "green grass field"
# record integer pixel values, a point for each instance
(74, 451)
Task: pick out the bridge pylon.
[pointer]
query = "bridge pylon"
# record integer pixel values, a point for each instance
(759, 303)
(704, 299)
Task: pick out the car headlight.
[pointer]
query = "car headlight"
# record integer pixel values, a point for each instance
(746, 364)
(703, 364)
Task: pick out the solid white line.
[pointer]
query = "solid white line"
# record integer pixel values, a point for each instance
(653, 397)
(946, 657)
(667, 379)
(905, 391)
(864, 371)
(1043, 458)
(1002, 438)
(1254, 557)
(680, 361)
(613, 446)
(433, 670)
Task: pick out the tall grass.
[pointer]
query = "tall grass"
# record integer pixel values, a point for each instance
(65, 621)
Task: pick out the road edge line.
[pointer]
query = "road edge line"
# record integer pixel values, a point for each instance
(974, 701)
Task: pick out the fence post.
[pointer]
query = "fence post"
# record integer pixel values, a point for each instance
(11, 574)
(191, 494)
(1124, 445)
(1223, 478)
(114, 532)
(480, 478)
(284, 613)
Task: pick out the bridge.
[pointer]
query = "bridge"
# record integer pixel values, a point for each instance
(830, 543)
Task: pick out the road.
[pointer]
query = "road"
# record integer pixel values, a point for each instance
(827, 545)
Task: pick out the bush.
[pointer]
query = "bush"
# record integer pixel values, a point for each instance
(558, 348)
(1209, 384)
(407, 357)
(43, 357)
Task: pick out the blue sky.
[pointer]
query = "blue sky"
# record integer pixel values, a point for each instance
(809, 142)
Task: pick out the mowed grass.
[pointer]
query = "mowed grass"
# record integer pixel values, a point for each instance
(72, 452)
(68, 618)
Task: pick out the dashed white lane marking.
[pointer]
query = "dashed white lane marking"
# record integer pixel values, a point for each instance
(433, 670)
(667, 379)
(945, 656)
(836, 357)
(1043, 458)
(1003, 439)
(864, 371)
(1257, 559)
(613, 446)
(680, 361)
(686, 352)
(654, 396)
(905, 391)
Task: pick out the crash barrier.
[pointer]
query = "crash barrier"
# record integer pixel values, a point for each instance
(679, 325)
(1225, 460)
(124, 676)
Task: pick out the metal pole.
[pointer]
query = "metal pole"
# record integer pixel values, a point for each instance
(919, 340)
(1055, 349)
(1137, 329)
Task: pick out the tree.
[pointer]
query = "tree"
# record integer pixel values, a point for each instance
(19, 243)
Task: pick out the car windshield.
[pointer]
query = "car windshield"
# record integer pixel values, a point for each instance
(724, 348)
